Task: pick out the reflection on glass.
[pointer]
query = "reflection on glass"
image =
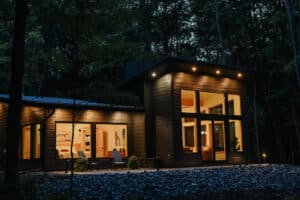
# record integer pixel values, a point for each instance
(206, 140)
(235, 136)
(234, 104)
(110, 137)
(189, 135)
(81, 143)
(212, 103)
(188, 101)
(219, 140)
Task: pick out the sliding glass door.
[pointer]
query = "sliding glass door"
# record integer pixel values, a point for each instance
(213, 145)
(219, 140)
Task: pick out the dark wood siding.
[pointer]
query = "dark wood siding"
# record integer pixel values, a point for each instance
(162, 116)
(134, 120)
(37, 114)
(3, 118)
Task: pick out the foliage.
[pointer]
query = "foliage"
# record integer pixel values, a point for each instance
(80, 165)
(111, 33)
(234, 145)
(133, 162)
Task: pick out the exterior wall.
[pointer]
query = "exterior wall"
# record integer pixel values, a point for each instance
(134, 121)
(3, 114)
(161, 117)
(37, 114)
(211, 84)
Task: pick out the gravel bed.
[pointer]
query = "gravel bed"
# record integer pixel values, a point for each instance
(169, 184)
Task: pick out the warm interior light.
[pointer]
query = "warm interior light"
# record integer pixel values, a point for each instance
(153, 74)
(240, 75)
(218, 72)
(194, 69)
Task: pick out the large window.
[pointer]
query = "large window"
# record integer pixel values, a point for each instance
(206, 140)
(81, 140)
(219, 140)
(26, 144)
(216, 111)
(30, 145)
(110, 137)
(235, 136)
(234, 104)
(189, 135)
(188, 101)
(212, 103)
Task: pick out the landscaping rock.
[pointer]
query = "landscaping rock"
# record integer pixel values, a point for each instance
(174, 183)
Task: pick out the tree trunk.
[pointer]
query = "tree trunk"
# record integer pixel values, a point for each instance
(220, 35)
(254, 65)
(295, 43)
(295, 34)
(13, 131)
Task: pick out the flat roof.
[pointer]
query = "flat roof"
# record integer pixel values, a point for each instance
(67, 102)
(141, 70)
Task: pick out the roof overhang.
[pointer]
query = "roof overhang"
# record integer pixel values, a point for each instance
(55, 102)
(174, 64)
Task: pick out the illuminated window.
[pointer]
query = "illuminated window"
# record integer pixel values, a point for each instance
(188, 101)
(219, 140)
(220, 128)
(235, 135)
(189, 135)
(212, 103)
(26, 138)
(81, 141)
(36, 148)
(234, 104)
(110, 137)
(206, 140)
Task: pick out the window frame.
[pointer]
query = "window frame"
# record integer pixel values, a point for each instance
(32, 132)
(93, 136)
(70, 122)
(213, 117)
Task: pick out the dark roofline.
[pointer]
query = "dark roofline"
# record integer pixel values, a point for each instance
(198, 62)
(168, 61)
(68, 103)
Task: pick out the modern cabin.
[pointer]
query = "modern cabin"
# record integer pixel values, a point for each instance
(193, 114)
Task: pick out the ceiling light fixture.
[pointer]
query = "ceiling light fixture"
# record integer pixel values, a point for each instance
(240, 75)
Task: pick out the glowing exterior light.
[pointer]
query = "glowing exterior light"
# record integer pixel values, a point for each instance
(240, 75)
(264, 156)
(153, 74)
(218, 72)
(194, 69)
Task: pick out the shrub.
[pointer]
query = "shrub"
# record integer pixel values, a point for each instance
(80, 165)
(133, 162)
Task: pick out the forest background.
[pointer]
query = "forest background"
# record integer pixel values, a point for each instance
(93, 40)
